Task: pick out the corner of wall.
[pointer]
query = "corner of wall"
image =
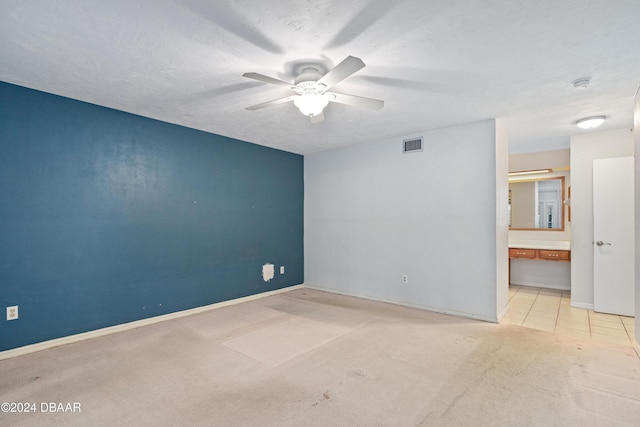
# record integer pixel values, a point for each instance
(636, 135)
(502, 220)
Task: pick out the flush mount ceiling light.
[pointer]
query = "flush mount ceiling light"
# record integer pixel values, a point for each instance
(590, 122)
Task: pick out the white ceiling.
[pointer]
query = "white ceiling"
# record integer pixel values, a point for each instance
(435, 63)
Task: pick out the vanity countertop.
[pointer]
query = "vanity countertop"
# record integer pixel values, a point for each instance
(563, 245)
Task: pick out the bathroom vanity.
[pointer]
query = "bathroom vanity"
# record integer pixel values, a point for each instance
(558, 252)
(542, 250)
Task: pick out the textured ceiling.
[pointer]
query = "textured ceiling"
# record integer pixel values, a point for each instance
(435, 63)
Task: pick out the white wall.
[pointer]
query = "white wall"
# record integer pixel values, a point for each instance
(584, 149)
(546, 274)
(636, 128)
(502, 218)
(541, 273)
(373, 214)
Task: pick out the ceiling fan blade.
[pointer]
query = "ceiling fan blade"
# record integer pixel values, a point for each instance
(350, 65)
(317, 118)
(271, 103)
(267, 79)
(357, 101)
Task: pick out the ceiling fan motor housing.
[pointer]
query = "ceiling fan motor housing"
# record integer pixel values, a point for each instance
(307, 81)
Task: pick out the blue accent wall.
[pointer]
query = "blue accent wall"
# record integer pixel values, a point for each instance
(107, 217)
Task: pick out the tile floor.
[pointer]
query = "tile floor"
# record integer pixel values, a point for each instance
(550, 310)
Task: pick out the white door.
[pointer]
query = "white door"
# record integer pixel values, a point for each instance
(613, 236)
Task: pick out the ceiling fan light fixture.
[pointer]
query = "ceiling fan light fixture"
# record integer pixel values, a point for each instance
(590, 122)
(311, 104)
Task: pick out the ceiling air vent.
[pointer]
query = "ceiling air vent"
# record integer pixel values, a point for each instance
(412, 145)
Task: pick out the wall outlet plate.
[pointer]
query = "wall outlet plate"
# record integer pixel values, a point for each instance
(405, 278)
(12, 312)
(282, 269)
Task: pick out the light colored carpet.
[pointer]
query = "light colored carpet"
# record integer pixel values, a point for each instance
(308, 358)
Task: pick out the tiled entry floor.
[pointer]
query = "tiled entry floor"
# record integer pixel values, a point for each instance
(550, 310)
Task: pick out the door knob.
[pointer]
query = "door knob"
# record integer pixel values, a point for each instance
(601, 243)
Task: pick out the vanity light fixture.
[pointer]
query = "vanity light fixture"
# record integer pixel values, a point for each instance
(590, 122)
(531, 172)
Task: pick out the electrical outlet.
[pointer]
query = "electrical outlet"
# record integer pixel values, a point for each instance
(12, 312)
(282, 269)
(405, 278)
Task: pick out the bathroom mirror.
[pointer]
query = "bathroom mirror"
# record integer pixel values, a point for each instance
(536, 204)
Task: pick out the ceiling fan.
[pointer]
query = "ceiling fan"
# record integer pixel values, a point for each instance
(312, 89)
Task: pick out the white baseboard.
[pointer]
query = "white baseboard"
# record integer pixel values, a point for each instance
(32, 348)
(582, 305)
(503, 312)
(558, 286)
(492, 319)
